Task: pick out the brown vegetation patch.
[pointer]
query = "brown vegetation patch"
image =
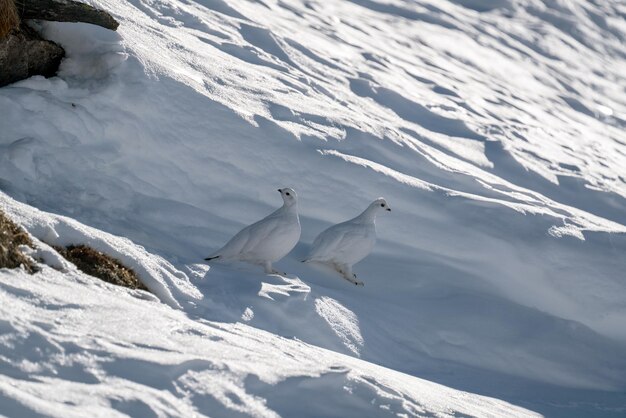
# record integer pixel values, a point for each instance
(102, 266)
(11, 237)
(9, 19)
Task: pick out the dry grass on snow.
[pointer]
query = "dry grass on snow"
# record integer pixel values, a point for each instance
(11, 237)
(86, 259)
(102, 266)
(8, 17)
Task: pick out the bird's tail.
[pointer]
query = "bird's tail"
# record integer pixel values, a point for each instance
(212, 258)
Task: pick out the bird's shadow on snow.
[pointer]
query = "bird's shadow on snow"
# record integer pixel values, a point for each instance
(311, 310)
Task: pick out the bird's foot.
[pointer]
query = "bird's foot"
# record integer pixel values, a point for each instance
(269, 269)
(353, 280)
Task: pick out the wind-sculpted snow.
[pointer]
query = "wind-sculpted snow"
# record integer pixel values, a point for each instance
(107, 354)
(495, 130)
(343, 322)
(164, 280)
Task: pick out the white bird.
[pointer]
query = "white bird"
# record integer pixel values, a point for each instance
(345, 244)
(267, 240)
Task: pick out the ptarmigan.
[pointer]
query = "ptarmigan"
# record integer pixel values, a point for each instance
(345, 244)
(267, 240)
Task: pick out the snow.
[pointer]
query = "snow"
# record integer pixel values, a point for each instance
(159, 276)
(495, 130)
(106, 353)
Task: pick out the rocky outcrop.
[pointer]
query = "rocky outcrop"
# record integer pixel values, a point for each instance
(64, 11)
(23, 53)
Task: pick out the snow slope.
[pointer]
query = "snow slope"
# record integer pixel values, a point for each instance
(111, 351)
(495, 130)
(149, 360)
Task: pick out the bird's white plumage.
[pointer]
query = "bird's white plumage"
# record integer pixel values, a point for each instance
(267, 240)
(345, 244)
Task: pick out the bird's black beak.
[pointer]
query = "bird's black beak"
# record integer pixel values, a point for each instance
(388, 209)
(280, 190)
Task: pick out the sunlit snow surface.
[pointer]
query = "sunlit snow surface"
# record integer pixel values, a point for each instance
(495, 130)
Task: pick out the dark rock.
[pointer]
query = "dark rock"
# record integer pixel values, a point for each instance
(65, 11)
(23, 53)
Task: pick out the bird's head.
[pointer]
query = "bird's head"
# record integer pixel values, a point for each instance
(289, 196)
(380, 204)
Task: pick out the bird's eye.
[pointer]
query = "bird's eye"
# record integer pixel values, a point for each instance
(382, 205)
(287, 194)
